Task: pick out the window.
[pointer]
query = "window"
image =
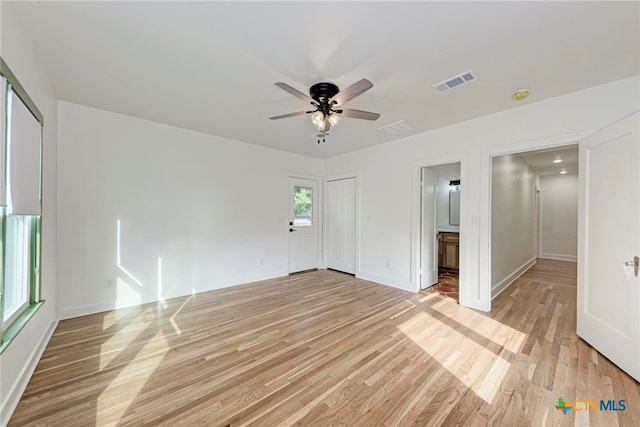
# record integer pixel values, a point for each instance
(302, 206)
(16, 267)
(20, 206)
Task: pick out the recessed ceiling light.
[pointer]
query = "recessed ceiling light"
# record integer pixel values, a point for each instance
(557, 161)
(519, 95)
(563, 171)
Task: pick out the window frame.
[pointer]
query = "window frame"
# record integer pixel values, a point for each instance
(19, 320)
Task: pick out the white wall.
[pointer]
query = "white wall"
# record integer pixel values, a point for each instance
(196, 212)
(559, 236)
(21, 356)
(389, 174)
(513, 220)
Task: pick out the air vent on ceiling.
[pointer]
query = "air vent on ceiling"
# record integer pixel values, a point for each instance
(454, 81)
(320, 135)
(397, 127)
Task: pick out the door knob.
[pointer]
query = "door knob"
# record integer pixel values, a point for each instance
(635, 264)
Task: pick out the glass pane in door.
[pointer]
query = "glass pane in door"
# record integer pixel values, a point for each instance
(302, 206)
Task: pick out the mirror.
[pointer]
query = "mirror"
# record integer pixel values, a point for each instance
(454, 207)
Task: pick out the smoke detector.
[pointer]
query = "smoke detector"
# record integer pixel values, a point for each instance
(520, 94)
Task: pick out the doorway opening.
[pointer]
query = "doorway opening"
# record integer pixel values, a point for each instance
(440, 191)
(534, 211)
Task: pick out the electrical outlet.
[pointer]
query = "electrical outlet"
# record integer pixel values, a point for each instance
(108, 283)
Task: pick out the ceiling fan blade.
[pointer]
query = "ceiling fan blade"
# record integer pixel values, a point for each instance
(352, 91)
(295, 92)
(359, 114)
(284, 116)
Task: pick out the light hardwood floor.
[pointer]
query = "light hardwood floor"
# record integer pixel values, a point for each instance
(324, 348)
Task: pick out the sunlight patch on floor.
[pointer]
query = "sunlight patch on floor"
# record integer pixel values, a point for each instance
(500, 333)
(479, 368)
(427, 297)
(112, 347)
(172, 319)
(113, 317)
(492, 382)
(114, 401)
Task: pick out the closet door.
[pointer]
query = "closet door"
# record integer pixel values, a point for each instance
(341, 225)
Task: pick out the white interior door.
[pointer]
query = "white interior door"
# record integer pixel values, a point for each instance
(303, 224)
(429, 232)
(341, 225)
(609, 237)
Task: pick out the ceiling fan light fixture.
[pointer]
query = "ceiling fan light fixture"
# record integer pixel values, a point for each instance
(334, 119)
(323, 126)
(317, 118)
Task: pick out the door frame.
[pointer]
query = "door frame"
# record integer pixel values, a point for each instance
(487, 155)
(325, 249)
(416, 220)
(538, 225)
(284, 222)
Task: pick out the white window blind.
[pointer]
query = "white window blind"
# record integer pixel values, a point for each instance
(3, 124)
(24, 159)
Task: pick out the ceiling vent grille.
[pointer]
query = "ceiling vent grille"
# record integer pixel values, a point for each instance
(397, 127)
(454, 81)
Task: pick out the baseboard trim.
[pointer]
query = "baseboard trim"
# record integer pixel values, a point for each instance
(387, 281)
(559, 257)
(84, 310)
(13, 397)
(506, 282)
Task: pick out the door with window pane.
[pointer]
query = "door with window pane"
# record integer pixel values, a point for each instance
(303, 224)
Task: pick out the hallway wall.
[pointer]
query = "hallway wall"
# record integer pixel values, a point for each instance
(559, 234)
(512, 220)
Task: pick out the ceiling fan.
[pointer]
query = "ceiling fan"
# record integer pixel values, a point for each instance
(327, 99)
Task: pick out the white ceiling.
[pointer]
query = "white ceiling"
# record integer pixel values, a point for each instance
(210, 66)
(541, 161)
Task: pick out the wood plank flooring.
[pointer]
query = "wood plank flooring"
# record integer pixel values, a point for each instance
(324, 348)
